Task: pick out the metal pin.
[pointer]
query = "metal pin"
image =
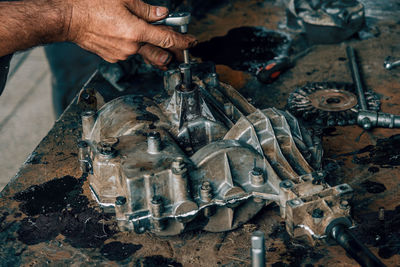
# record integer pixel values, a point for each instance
(258, 249)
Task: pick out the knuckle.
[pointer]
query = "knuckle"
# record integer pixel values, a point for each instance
(167, 42)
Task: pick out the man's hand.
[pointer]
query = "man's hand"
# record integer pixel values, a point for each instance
(113, 29)
(116, 29)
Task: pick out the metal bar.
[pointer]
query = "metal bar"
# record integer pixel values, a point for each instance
(355, 73)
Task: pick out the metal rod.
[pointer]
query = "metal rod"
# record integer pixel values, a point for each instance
(358, 251)
(355, 73)
(258, 249)
(186, 74)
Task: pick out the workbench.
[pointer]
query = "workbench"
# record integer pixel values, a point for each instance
(55, 222)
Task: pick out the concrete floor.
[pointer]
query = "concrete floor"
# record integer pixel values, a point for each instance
(26, 112)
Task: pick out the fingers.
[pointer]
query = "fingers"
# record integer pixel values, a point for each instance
(164, 37)
(145, 11)
(155, 55)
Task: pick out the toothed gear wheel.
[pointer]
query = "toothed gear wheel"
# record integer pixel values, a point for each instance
(329, 103)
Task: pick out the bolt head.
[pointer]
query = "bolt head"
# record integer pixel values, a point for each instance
(156, 200)
(206, 186)
(120, 200)
(317, 213)
(257, 171)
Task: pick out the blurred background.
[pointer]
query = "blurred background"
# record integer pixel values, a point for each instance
(26, 110)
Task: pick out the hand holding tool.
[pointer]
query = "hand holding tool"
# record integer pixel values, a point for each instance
(181, 20)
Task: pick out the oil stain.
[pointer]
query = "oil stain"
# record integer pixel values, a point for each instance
(58, 207)
(298, 252)
(385, 234)
(156, 260)
(373, 187)
(385, 152)
(117, 251)
(244, 48)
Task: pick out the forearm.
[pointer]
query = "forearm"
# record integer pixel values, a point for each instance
(32, 22)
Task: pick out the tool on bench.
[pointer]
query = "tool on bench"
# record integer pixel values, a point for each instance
(181, 20)
(391, 63)
(277, 66)
(368, 119)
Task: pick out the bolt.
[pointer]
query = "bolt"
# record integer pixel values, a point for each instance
(381, 214)
(295, 202)
(82, 144)
(286, 184)
(157, 209)
(120, 200)
(178, 164)
(153, 142)
(257, 249)
(257, 176)
(205, 191)
(317, 213)
(206, 196)
(106, 146)
(344, 204)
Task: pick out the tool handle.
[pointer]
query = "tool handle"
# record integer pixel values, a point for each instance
(273, 70)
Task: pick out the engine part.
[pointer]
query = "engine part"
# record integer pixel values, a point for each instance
(257, 249)
(329, 103)
(196, 160)
(202, 157)
(391, 63)
(326, 21)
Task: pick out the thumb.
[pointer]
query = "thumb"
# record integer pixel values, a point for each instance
(145, 11)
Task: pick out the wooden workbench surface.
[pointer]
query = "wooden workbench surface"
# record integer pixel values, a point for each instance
(57, 222)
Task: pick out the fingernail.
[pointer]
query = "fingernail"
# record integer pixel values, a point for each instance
(194, 43)
(164, 58)
(161, 11)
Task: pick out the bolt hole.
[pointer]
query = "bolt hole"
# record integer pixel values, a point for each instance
(333, 100)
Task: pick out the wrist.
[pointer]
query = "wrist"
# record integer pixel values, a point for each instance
(53, 20)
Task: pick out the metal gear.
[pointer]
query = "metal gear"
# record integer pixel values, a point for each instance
(329, 103)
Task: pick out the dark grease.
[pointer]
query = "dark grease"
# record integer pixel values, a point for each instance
(244, 48)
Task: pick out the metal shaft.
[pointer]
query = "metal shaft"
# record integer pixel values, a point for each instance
(257, 249)
(358, 251)
(355, 73)
(186, 75)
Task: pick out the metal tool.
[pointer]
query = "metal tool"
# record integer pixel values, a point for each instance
(258, 249)
(355, 73)
(329, 103)
(368, 119)
(351, 244)
(181, 20)
(391, 63)
(277, 66)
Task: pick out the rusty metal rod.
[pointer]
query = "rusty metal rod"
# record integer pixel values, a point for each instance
(358, 251)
